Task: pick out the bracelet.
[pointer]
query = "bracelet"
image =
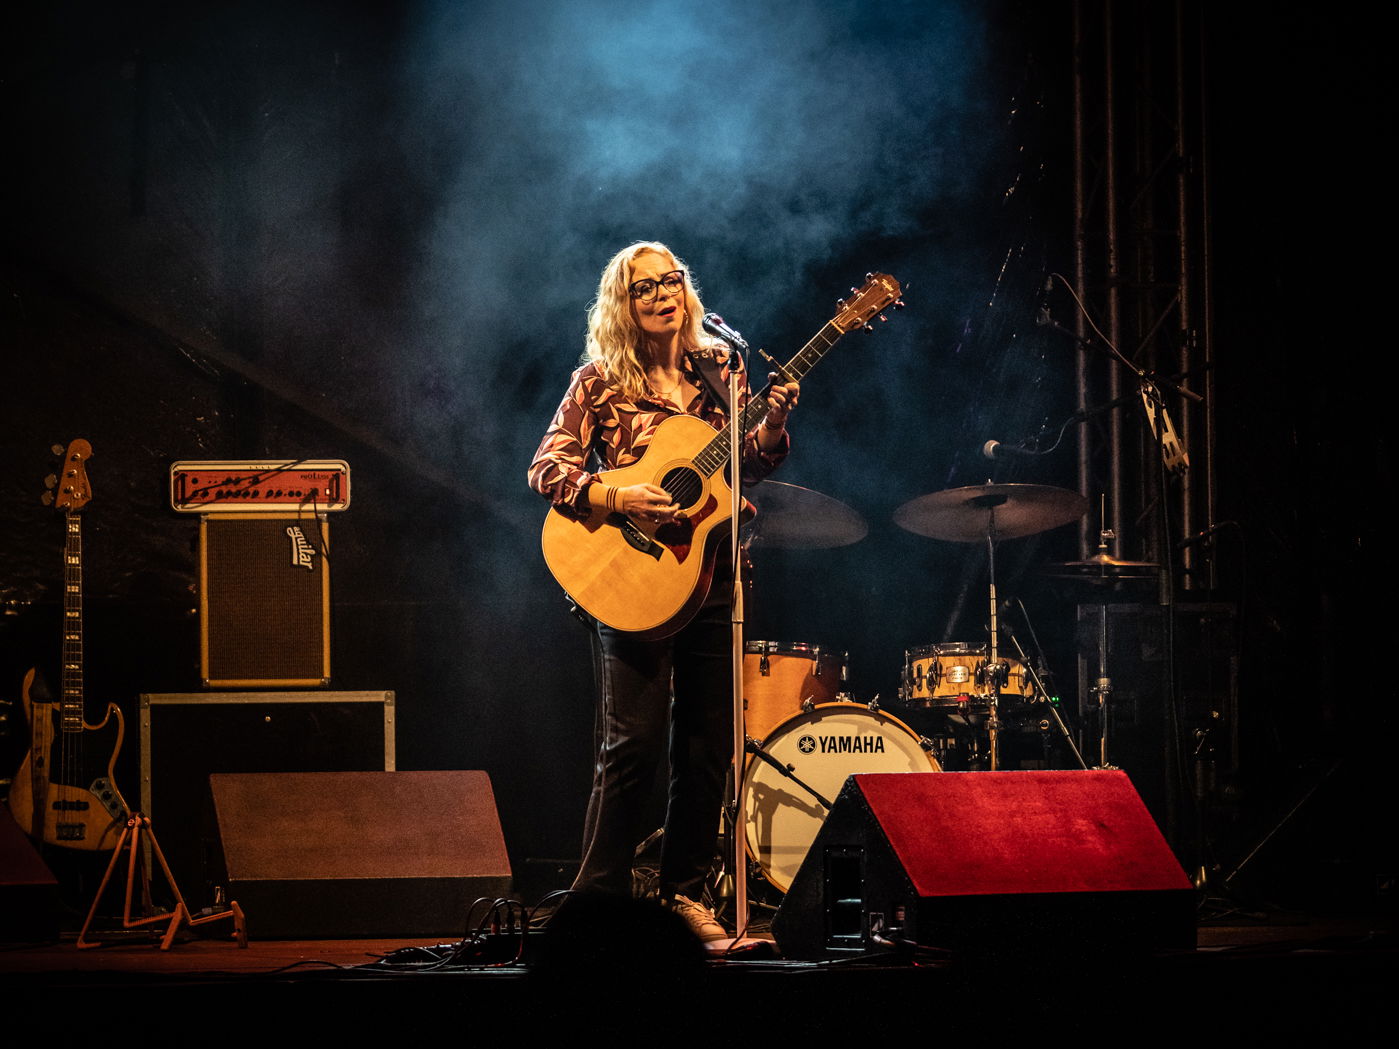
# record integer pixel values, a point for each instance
(611, 499)
(775, 429)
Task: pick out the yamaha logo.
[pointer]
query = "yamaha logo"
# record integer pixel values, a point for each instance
(843, 744)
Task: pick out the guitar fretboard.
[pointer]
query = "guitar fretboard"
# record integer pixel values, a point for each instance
(716, 453)
(71, 704)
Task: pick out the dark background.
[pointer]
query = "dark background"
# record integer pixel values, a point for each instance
(369, 232)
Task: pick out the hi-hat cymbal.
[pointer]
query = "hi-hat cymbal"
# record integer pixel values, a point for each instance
(792, 517)
(1001, 511)
(1103, 566)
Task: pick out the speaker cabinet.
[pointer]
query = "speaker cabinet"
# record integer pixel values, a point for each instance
(187, 736)
(264, 600)
(347, 854)
(984, 863)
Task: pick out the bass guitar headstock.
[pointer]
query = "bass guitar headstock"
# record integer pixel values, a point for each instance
(69, 489)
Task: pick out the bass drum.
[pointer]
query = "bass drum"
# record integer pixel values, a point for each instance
(822, 748)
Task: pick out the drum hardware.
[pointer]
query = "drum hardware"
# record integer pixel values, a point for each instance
(991, 512)
(1104, 572)
(752, 746)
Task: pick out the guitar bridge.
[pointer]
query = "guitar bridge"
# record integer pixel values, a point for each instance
(639, 540)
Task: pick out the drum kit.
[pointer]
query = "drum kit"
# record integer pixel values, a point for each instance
(805, 731)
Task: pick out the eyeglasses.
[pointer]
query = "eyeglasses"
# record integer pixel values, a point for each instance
(646, 289)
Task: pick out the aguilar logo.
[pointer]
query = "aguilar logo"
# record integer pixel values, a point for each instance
(841, 744)
(302, 553)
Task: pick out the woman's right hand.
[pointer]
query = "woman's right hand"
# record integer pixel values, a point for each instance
(646, 502)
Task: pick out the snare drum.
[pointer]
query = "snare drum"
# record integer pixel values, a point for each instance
(780, 678)
(822, 747)
(951, 677)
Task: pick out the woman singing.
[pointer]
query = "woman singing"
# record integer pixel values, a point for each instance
(648, 359)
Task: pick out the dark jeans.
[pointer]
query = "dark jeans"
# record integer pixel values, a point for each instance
(657, 698)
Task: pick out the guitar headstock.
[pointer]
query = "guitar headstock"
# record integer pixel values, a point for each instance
(69, 489)
(877, 293)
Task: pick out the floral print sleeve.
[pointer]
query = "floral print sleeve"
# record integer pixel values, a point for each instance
(595, 421)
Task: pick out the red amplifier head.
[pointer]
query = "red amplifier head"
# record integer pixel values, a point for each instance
(230, 486)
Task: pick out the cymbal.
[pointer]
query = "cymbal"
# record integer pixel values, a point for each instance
(1103, 566)
(966, 515)
(792, 517)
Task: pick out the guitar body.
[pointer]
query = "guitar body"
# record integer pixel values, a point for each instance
(646, 579)
(649, 579)
(65, 790)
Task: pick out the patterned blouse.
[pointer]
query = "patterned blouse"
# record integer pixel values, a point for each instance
(596, 418)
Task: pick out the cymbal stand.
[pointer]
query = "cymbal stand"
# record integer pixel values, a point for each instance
(996, 672)
(1102, 687)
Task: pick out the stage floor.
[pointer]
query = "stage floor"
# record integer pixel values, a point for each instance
(1276, 973)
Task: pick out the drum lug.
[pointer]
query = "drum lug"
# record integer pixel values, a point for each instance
(874, 704)
(764, 667)
(926, 744)
(808, 704)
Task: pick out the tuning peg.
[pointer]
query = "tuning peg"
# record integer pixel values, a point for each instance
(898, 304)
(869, 327)
(46, 498)
(869, 276)
(883, 319)
(57, 450)
(51, 481)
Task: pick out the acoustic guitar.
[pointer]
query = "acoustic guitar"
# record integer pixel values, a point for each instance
(651, 578)
(65, 790)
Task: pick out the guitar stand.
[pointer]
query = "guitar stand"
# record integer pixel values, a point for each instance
(130, 840)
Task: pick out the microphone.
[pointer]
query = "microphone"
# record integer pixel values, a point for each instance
(714, 324)
(1205, 536)
(1042, 308)
(997, 450)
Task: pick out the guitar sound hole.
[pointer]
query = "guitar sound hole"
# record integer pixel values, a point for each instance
(684, 485)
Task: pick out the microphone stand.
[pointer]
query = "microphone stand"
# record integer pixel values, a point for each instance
(1173, 462)
(1041, 690)
(738, 839)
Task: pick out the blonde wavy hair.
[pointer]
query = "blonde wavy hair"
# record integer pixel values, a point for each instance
(616, 342)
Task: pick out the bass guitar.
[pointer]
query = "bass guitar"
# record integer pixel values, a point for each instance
(651, 578)
(65, 790)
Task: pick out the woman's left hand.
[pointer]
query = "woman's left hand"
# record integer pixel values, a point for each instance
(781, 400)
